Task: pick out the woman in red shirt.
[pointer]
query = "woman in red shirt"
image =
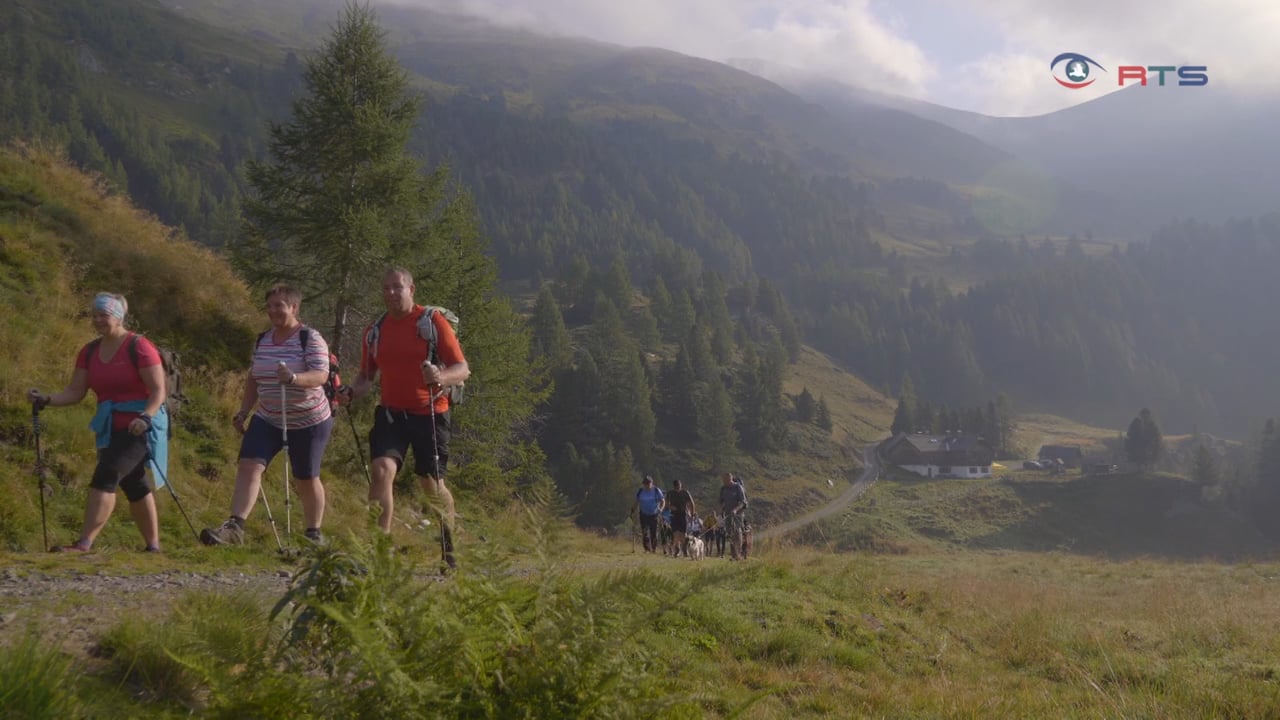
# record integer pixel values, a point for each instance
(125, 373)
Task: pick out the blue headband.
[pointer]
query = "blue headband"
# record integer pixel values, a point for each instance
(109, 305)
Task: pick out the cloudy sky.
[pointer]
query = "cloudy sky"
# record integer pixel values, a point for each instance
(989, 56)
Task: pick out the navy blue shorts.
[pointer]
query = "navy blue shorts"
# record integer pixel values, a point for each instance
(262, 441)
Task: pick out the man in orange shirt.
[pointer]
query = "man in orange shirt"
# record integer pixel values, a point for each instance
(414, 408)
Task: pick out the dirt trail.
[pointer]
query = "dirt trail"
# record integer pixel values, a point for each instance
(72, 610)
(870, 472)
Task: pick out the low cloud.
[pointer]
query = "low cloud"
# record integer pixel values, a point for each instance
(839, 38)
(1014, 85)
(847, 40)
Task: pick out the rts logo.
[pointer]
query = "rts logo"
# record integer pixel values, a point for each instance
(1188, 75)
(1075, 72)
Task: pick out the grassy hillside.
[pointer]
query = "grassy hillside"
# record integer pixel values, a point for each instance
(1117, 516)
(860, 413)
(1036, 429)
(63, 238)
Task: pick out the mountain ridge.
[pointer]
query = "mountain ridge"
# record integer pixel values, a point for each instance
(1190, 152)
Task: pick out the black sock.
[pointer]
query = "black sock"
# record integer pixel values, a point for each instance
(237, 521)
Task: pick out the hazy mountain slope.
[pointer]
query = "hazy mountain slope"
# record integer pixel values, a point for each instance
(1127, 162)
(914, 142)
(590, 81)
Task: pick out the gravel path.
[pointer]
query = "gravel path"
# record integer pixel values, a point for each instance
(71, 610)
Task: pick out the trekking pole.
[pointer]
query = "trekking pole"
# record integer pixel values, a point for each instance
(284, 433)
(359, 448)
(35, 427)
(271, 519)
(435, 468)
(155, 467)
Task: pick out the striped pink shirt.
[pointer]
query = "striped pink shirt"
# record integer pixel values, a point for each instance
(306, 406)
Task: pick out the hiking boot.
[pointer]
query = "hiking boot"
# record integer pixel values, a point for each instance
(229, 533)
(72, 548)
(151, 549)
(313, 535)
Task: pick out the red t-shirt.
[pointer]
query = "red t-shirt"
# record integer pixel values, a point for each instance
(401, 352)
(117, 379)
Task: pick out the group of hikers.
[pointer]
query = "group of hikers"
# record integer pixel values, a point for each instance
(669, 519)
(412, 349)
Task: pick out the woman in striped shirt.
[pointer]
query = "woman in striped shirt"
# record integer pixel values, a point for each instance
(284, 370)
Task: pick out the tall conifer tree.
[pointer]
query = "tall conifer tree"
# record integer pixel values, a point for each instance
(340, 198)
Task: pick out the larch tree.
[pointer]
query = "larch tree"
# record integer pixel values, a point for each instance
(340, 198)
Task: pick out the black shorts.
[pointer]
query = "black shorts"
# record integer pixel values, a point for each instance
(679, 521)
(395, 432)
(123, 464)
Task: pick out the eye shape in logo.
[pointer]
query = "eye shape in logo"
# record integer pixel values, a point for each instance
(1074, 71)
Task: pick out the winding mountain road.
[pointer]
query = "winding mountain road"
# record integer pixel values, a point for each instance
(870, 472)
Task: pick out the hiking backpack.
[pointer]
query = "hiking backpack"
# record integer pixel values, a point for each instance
(334, 381)
(426, 331)
(169, 362)
(738, 480)
(661, 495)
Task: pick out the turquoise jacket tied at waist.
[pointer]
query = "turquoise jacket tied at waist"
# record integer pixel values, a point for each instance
(157, 435)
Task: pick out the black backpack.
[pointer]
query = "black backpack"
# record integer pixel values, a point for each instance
(334, 381)
(169, 361)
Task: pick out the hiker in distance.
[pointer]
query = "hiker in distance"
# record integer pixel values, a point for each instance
(413, 410)
(733, 502)
(649, 502)
(285, 383)
(681, 503)
(131, 425)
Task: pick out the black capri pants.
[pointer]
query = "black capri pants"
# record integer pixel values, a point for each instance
(123, 464)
